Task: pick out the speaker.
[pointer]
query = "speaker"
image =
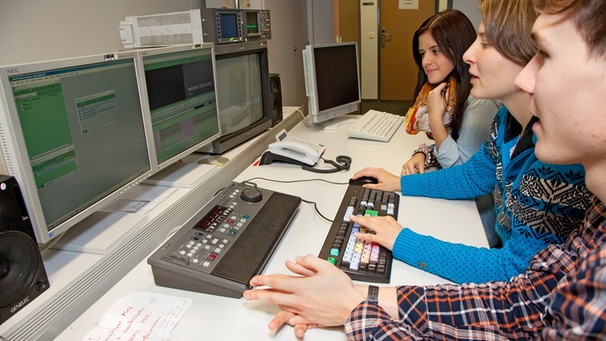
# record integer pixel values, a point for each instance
(22, 273)
(275, 93)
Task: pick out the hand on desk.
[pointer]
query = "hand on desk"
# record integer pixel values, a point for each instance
(320, 295)
(386, 180)
(386, 229)
(416, 164)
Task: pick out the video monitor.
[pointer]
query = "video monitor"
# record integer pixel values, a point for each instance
(243, 94)
(73, 135)
(178, 94)
(332, 80)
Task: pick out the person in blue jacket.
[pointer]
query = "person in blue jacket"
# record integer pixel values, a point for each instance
(536, 204)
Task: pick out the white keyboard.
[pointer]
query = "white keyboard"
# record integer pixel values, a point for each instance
(376, 125)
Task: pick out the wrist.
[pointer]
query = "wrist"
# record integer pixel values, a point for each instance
(430, 158)
(361, 289)
(373, 294)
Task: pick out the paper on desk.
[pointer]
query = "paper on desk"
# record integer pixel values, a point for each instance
(141, 316)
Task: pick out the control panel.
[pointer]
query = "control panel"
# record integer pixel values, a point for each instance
(227, 242)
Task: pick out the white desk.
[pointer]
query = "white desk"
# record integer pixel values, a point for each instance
(219, 318)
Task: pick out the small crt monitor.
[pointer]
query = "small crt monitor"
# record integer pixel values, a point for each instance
(243, 93)
(179, 101)
(332, 80)
(73, 135)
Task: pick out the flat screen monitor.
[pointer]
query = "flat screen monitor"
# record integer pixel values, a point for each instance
(179, 99)
(332, 80)
(242, 92)
(72, 134)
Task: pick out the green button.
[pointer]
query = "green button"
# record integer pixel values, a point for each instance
(332, 260)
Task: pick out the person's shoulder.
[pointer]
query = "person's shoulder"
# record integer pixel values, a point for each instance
(471, 100)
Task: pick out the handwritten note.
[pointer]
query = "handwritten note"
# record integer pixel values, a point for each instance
(141, 316)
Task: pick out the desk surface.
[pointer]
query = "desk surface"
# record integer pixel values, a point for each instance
(219, 318)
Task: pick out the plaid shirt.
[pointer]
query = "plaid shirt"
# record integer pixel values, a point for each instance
(562, 295)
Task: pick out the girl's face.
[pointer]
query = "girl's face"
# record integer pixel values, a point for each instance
(492, 75)
(435, 64)
(567, 88)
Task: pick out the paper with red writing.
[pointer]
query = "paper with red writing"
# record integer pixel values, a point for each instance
(141, 316)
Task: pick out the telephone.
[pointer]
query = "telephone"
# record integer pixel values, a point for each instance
(292, 150)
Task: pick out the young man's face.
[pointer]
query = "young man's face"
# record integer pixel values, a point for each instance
(492, 74)
(568, 94)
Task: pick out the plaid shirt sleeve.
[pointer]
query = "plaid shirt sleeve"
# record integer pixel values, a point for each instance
(562, 294)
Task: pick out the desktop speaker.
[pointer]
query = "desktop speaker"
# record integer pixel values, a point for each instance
(22, 273)
(275, 93)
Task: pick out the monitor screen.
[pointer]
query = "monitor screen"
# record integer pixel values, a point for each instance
(332, 80)
(229, 24)
(178, 95)
(73, 136)
(242, 92)
(242, 103)
(252, 23)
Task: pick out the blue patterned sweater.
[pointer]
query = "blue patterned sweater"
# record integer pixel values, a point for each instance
(536, 204)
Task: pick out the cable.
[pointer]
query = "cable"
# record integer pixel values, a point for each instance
(316, 209)
(315, 205)
(298, 180)
(342, 162)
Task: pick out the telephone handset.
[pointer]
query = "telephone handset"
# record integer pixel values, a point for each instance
(295, 150)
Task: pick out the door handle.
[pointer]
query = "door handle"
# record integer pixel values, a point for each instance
(385, 37)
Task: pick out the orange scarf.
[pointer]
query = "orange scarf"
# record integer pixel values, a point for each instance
(417, 117)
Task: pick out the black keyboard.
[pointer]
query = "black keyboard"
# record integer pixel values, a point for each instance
(369, 262)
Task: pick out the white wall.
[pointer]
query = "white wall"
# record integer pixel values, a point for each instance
(35, 30)
(471, 10)
(285, 46)
(320, 26)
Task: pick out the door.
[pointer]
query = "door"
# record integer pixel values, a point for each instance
(397, 68)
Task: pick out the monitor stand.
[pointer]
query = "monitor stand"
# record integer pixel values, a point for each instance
(99, 232)
(102, 231)
(334, 123)
(183, 174)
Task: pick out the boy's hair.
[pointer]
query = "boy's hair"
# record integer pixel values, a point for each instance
(588, 16)
(508, 25)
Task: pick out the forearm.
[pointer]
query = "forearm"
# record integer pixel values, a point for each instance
(466, 181)
(387, 298)
(428, 311)
(438, 130)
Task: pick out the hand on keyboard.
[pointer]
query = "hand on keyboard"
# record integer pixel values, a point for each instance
(361, 260)
(384, 229)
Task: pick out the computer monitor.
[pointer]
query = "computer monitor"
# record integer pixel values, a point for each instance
(332, 80)
(177, 89)
(72, 134)
(243, 93)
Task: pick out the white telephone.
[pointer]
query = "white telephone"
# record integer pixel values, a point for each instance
(295, 150)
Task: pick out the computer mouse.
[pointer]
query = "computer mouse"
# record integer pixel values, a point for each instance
(363, 180)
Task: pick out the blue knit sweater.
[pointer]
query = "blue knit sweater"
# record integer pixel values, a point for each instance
(537, 204)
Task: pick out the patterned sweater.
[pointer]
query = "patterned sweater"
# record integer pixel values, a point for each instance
(536, 204)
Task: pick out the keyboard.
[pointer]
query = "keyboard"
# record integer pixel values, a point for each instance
(368, 262)
(376, 125)
(226, 243)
